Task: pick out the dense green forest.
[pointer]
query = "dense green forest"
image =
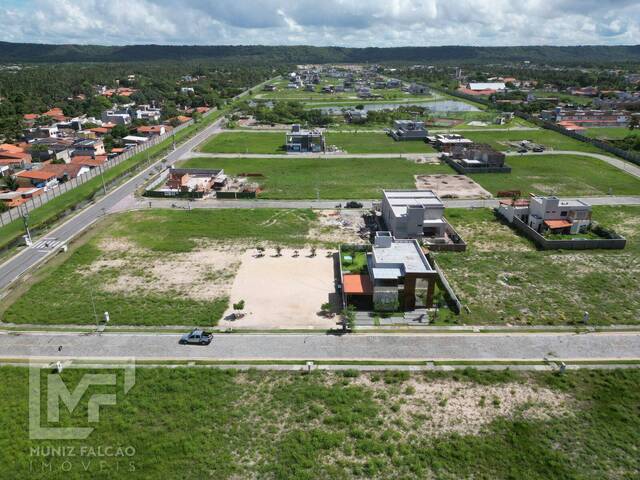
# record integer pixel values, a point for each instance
(72, 87)
(27, 53)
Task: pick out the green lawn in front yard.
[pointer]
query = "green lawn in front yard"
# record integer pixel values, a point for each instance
(353, 261)
(153, 267)
(548, 138)
(566, 175)
(328, 178)
(502, 278)
(195, 423)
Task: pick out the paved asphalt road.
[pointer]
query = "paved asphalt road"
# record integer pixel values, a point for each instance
(12, 269)
(482, 346)
(329, 204)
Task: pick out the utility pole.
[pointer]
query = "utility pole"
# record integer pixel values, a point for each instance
(25, 219)
(104, 187)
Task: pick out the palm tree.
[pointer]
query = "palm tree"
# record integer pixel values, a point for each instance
(11, 183)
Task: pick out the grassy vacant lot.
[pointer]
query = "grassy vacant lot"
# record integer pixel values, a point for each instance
(565, 97)
(561, 175)
(334, 178)
(375, 143)
(548, 138)
(208, 423)
(157, 267)
(610, 133)
(245, 142)
(502, 278)
(273, 142)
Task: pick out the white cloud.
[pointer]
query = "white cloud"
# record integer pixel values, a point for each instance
(327, 22)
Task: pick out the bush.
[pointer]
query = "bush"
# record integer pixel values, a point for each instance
(239, 305)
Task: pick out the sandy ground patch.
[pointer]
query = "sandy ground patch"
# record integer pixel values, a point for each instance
(446, 406)
(283, 292)
(205, 273)
(451, 186)
(338, 226)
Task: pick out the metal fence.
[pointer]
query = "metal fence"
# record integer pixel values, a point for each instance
(51, 193)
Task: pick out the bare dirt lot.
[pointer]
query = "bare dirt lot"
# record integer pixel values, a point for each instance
(283, 292)
(203, 274)
(338, 226)
(451, 186)
(445, 406)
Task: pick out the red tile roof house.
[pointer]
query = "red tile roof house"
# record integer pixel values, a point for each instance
(50, 175)
(20, 196)
(37, 178)
(55, 113)
(13, 157)
(89, 162)
(151, 130)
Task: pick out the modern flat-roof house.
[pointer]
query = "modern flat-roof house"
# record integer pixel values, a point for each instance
(413, 213)
(481, 153)
(549, 214)
(299, 140)
(395, 270)
(408, 130)
(445, 141)
(119, 117)
(148, 113)
(417, 89)
(89, 147)
(476, 158)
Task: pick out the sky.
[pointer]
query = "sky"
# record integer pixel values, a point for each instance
(353, 23)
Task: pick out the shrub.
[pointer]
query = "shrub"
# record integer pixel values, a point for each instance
(239, 305)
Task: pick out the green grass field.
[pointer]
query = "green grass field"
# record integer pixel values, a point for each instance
(610, 133)
(124, 267)
(548, 138)
(273, 142)
(330, 178)
(375, 143)
(502, 278)
(209, 423)
(566, 175)
(301, 95)
(245, 142)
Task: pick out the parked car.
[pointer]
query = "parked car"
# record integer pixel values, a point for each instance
(538, 149)
(353, 204)
(196, 337)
